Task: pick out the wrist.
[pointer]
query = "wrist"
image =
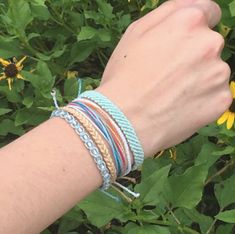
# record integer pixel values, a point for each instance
(151, 141)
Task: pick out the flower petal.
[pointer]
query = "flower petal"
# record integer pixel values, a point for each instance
(4, 62)
(20, 77)
(223, 118)
(230, 121)
(232, 88)
(3, 76)
(19, 64)
(9, 80)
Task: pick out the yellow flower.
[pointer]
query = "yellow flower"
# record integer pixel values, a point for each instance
(11, 70)
(229, 115)
(72, 74)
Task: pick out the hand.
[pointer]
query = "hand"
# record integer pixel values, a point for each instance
(166, 73)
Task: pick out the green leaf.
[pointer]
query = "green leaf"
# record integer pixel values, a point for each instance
(232, 8)
(9, 47)
(20, 15)
(186, 190)
(146, 229)
(104, 35)
(105, 8)
(67, 225)
(8, 126)
(39, 9)
(227, 216)
(196, 217)
(100, 208)
(11, 95)
(225, 192)
(31, 116)
(80, 51)
(71, 88)
(226, 150)
(86, 33)
(149, 166)
(4, 111)
(151, 188)
(207, 155)
(211, 130)
(42, 79)
(46, 232)
(224, 229)
(28, 101)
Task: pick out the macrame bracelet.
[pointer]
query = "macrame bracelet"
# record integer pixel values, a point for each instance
(89, 144)
(96, 138)
(116, 133)
(122, 122)
(101, 127)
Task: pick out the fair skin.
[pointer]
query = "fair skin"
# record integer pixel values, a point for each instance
(42, 173)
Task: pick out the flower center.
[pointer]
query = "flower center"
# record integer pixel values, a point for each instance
(232, 107)
(11, 70)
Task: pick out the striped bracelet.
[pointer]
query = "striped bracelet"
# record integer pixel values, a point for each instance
(89, 144)
(117, 134)
(96, 138)
(105, 132)
(122, 122)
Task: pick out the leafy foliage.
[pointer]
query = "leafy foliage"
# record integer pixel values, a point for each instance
(192, 194)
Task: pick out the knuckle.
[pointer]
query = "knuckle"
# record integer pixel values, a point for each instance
(226, 100)
(214, 45)
(218, 8)
(218, 41)
(221, 75)
(225, 71)
(193, 16)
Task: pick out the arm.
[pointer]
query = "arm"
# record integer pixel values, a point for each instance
(47, 171)
(43, 174)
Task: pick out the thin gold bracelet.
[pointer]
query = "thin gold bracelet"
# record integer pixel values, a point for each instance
(97, 138)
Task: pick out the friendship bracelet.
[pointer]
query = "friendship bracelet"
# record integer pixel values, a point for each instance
(89, 144)
(115, 130)
(122, 122)
(104, 129)
(97, 138)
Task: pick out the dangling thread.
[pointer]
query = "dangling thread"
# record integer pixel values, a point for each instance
(79, 86)
(53, 94)
(117, 199)
(136, 195)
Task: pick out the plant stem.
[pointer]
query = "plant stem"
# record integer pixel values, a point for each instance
(213, 223)
(189, 230)
(220, 172)
(159, 222)
(173, 215)
(129, 200)
(100, 59)
(167, 223)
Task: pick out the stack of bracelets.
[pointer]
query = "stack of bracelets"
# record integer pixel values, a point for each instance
(106, 133)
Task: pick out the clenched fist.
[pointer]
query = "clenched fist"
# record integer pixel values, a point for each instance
(170, 73)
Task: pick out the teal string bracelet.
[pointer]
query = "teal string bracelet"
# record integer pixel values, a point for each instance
(122, 122)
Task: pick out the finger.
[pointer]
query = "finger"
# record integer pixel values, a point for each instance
(163, 11)
(211, 11)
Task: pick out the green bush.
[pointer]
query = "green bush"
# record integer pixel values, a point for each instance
(63, 39)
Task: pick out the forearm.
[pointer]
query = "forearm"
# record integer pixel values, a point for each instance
(43, 174)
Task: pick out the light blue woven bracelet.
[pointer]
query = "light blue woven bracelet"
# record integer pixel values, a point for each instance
(122, 122)
(89, 144)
